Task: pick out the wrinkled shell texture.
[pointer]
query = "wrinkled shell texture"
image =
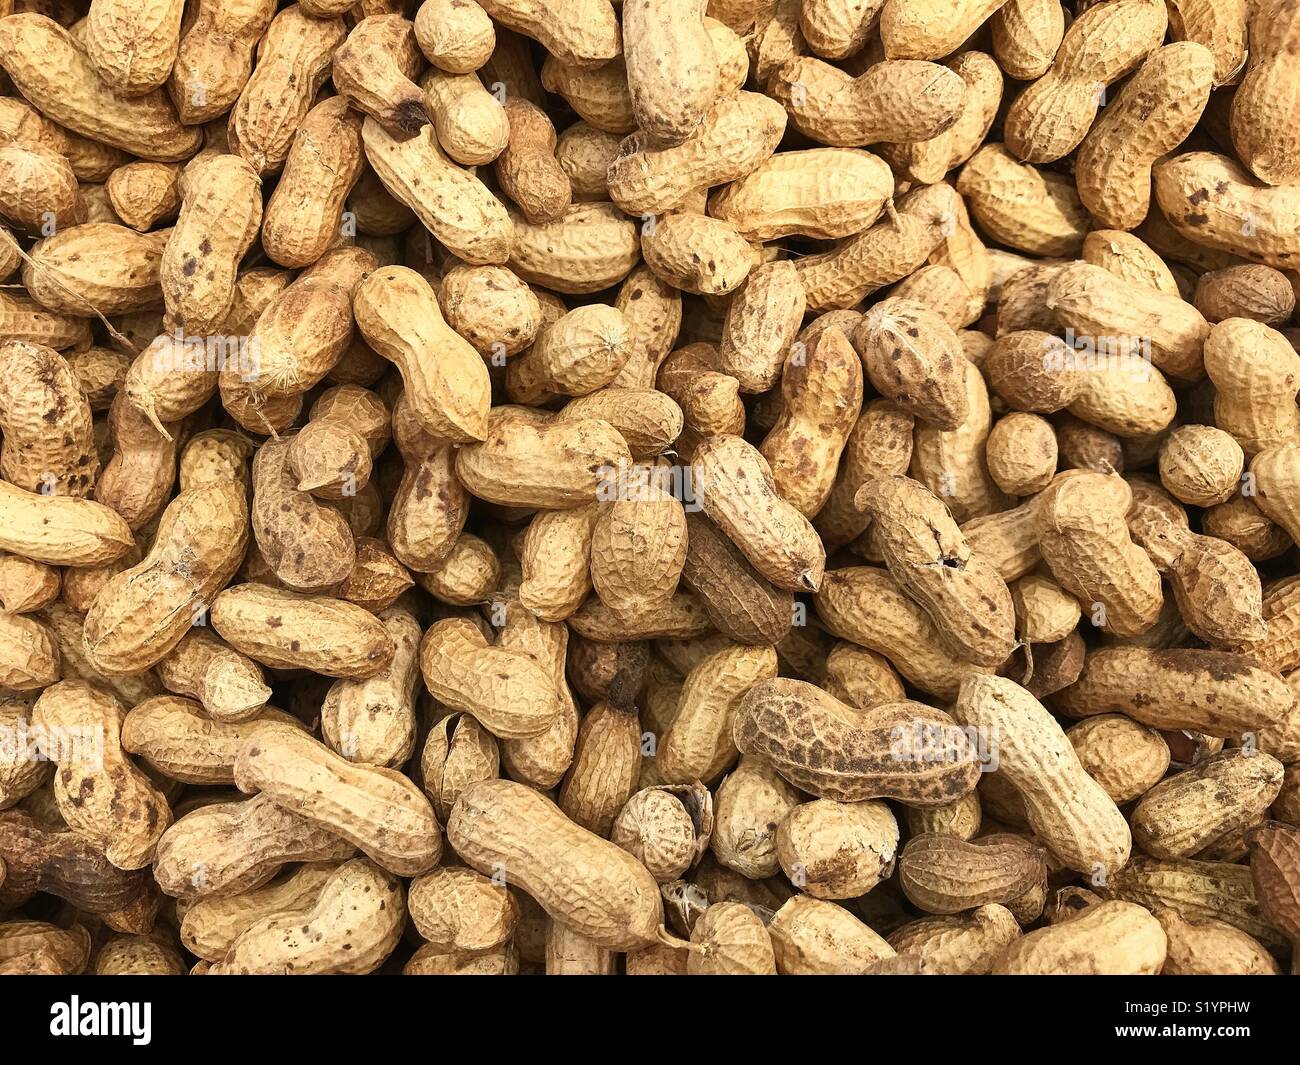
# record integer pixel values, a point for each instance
(612, 487)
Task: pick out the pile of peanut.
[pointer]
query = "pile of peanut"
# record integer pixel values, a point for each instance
(659, 487)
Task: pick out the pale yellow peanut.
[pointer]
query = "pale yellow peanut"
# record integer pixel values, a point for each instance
(374, 70)
(1068, 810)
(1264, 107)
(1215, 692)
(914, 358)
(735, 487)
(599, 890)
(817, 192)
(530, 461)
(377, 809)
(894, 100)
(1112, 169)
(932, 562)
(737, 134)
(455, 35)
(1051, 117)
(1256, 374)
(52, 70)
(1250, 290)
(514, 698)
(1212, 201)
(815, 937)
(672, 68)
(1031, 210)
(1110, 938)
(589, 247)
(229, 685)
(865, 605)
(302, 217)
(214, 57)
(1221, 27)
(174, 737)
(1180, 817)
(104, 797)
(347, 640)
(448, 200)
(1026, 36)
(1128, 257)
(294, 54)
(821, 389)
(883, 254)
(587, 33)
(397, 312)
(350, 928)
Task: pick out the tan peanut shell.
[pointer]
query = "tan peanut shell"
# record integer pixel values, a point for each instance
(1215, 692)
(351, 927)
(737, 134)
(883, 254)
(377, 809)
(461, 910)
(1181, 816)
(527, 460)
(458, 753)
(818, 192)
(821, 388)
(214, 57)
(729, 940)
(1210, 946)
(397, 312)
(1127, 759)
(514, 699)
(1212, 201)
(211, 924)
(857, 753)
(51, 69)
(260, 621)
(1115, 938)
(302, 216)
(928, 556)
(1263, 109)
(735, 487)
(599, 890)
(836, 850)
(1068, 810)
(699, 743)
(449, 201)
(144, 611)
(173, 736)
(294, 55)
(866, 605)
(455, 35)
(1031, 210)
(48, 442)
(107, 799)
(1051, 117)
(586, 34)
(1197, 890)
(941, 874)
(815, 937)
(959, 945)
(1153, 114)
(230, 686)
